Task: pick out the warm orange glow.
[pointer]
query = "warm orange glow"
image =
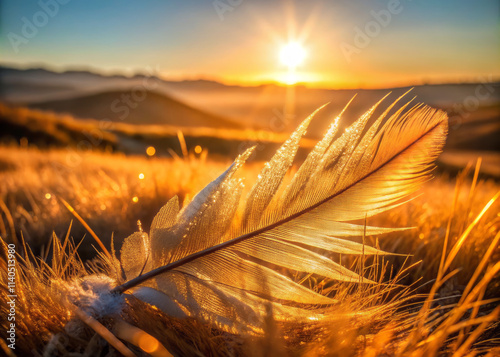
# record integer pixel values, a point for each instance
(290, 77)
(292, 55)
(48, 196)
(198, 149)
(150, 151)
(135, 199)
(148, 343)
(141, 176)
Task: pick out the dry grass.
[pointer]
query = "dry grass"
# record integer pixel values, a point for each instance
(105, 189)
(422, 305)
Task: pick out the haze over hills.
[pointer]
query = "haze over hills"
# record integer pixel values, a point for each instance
(474, 108)
(131, 108)
(254, 106)
(39, 84)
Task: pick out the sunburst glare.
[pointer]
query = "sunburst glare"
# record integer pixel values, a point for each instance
(292, 55)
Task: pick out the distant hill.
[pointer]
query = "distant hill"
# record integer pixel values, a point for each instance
(259, 107)
(474, 108)
(136, 108)
(21, 86)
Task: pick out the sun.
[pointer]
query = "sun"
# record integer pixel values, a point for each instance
(292, 54)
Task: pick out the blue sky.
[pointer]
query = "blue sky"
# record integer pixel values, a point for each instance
(424, 40)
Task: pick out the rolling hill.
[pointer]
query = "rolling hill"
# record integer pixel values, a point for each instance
(201, 109)
(134, 107)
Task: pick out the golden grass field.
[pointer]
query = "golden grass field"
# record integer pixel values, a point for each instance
(416, 308)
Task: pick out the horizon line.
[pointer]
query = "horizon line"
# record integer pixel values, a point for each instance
(236, 83)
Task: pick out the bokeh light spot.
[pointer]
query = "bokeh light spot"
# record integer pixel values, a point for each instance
(150, 151)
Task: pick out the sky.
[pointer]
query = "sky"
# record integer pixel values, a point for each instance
(347, 43)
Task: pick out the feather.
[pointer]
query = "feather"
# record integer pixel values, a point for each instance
(229, 261)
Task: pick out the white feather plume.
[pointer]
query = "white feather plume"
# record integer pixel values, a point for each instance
(226, 261)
